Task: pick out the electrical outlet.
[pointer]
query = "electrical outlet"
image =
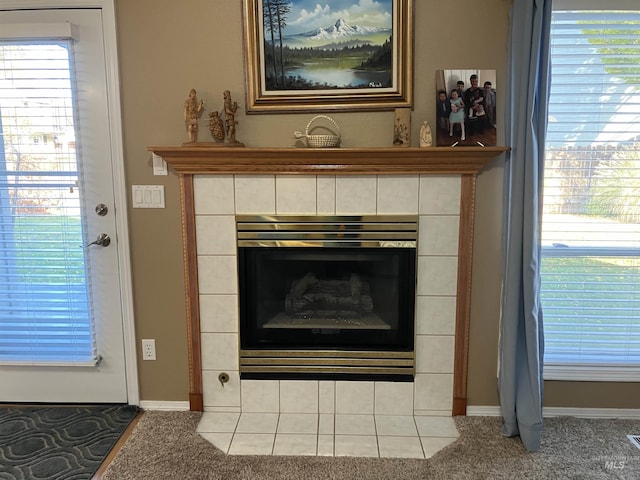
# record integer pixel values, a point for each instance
(148, 349)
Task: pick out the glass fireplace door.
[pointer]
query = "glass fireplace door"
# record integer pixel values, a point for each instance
(319, 298)
(313, 289)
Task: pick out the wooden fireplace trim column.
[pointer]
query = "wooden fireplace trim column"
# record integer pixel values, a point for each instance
(464, 161)
(190, 260)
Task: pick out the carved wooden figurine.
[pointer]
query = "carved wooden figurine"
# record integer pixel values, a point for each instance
(230, 108)
(192, 111)
(426, 138)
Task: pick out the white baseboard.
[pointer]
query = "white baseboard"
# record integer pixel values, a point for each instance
(481, 411)
(494, 411)
(165, 406)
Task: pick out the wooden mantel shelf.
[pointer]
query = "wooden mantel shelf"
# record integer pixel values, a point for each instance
(327, 161)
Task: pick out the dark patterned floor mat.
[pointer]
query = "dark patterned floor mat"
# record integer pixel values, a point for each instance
(59, 443)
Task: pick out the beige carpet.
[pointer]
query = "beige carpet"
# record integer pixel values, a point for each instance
(164, 446)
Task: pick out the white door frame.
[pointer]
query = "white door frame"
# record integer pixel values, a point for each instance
(117, 155)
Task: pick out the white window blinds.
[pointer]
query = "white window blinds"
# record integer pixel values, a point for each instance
(591, 219)
(44, 301)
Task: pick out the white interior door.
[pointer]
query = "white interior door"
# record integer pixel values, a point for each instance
(67, 145)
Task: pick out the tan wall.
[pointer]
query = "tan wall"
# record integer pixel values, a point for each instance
(168, 47)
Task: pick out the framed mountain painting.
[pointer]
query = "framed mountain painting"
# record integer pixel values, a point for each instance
(336, 55)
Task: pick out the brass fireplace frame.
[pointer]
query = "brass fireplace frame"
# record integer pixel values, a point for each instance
(334, 232)
(328, 362)
(327, 231)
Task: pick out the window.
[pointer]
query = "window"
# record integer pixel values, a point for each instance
(590, 266)
(44, 302)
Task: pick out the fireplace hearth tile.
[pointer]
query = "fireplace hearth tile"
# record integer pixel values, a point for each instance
(356, 446)
(295, 444)
(354, 397)
(257, 423)
(432, 445)
(298, 396)
(436, 427)
(400, 447)
(391, 436)
(260, 396)
(301, 423)
(222, 441)
(396, 425)
(326, 424)
(355, 425)
(393, 398)
(252, 444)
(218, 422)
(327, 397)
(325, 446)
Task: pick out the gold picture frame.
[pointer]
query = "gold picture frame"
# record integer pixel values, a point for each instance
(298, 70)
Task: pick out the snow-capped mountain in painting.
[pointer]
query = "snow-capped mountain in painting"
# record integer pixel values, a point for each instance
(339, 33)
(341, 29)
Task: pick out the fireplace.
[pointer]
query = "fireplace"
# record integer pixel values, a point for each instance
(437, 184)
(327, 297)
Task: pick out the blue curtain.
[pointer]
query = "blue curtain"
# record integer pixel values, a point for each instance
(521, 335)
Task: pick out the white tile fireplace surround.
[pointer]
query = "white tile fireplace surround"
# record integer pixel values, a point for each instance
(437, 201)
(322, 417)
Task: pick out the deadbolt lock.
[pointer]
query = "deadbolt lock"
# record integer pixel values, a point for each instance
(102, 209)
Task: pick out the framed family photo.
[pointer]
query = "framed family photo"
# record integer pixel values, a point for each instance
(302, 55)
(466, 107)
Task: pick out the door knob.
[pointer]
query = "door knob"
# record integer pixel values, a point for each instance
(103, 240)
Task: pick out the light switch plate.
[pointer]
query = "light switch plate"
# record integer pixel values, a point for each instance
(159, 165)
(148, 196)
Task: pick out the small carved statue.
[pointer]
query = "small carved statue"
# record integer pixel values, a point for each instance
(192, 111)
(426, 138)
(230, 108)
